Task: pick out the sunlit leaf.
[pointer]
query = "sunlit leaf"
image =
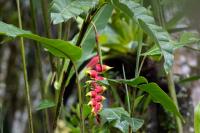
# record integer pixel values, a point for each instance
(57, 47)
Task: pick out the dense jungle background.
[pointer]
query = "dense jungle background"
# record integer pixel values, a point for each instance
(144, 55)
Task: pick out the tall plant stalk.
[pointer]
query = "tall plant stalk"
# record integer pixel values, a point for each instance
(139, 49)
(82, 125)
(27, 92)
(66, 74)
(174, 98)
(39, 64)
(158, 12)
(47, 27)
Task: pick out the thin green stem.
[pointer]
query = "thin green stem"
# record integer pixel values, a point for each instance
(39, 64)
(97, 43)
(141, 64)
(27, 93)
(139, 49)
(159, 13)
(47, 27)
(127, 93)
(82, 125)
(174, 97)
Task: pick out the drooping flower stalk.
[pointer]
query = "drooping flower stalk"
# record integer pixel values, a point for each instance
(95, 71)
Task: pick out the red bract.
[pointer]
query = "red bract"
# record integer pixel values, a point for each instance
(97, 108)
(102, 68)
(99, 98)
(99, 89)
(93, 62)
(93, 73)
(99, 78)
(92, 94)
(93, 102)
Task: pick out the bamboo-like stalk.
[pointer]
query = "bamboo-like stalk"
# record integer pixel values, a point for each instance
(159, 13)
(174, 98)
(82, 125)
(47, 27)
(39, 65)
(27, 92)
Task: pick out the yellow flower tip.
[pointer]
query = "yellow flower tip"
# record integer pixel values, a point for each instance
(90, 103)
(108, 68)
(89, 82)
(93, 112)
(104, 88)
(103, 98)
(87, 71)
(89, 94)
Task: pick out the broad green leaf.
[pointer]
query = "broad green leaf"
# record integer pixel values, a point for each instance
(135, 123)
(45, 104)
(159, 96)
(62, 10)
(186, 38)
(163, 40)
(112, 114)
(119, 118)
(197, 119)
(141, 15)
(57, 47)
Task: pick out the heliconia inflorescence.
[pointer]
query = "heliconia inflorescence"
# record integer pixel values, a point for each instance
(94, 70)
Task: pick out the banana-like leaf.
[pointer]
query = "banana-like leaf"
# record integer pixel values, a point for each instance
(157, 94)
(140, 15)
(57, 47)
(62, 10)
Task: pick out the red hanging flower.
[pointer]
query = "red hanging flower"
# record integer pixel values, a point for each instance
(96, 98)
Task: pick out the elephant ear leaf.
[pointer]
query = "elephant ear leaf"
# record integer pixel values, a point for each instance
(62, 10)
(57, 47)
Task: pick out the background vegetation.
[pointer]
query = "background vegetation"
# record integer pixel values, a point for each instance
(151, 45)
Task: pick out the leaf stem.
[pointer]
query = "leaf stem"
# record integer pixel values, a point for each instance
(139, 49)
(97, 42)
(127, 93)
(27, 93)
